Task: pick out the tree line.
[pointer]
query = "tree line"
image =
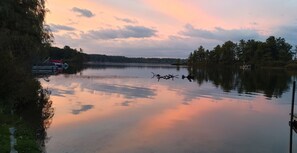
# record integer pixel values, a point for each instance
(122, 59)
(77, 56)
(68, 54)
(24, 38)
(272, 52)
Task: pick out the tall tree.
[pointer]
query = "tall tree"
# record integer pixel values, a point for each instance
(228, 52)
(217, 54)
(271, 49)
(283, 49)
(201, 54)
(23, 34)
(240, 50)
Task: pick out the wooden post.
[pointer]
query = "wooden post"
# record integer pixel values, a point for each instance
(292, 115)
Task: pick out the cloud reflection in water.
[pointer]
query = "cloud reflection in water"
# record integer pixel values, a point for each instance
(126, 103)
(129, 92)
(83, 108)
(61, 92)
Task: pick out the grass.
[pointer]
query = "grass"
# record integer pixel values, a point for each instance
(4, 138)
(26, 140)
(6, 121)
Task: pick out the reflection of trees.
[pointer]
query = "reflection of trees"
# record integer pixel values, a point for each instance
(39, 116)
(272, 83)
(74, 68)
(46, 113)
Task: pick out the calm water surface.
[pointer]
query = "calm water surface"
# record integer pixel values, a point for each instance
(124, 110)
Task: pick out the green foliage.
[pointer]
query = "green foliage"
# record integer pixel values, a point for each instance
(4, 138)
(23, 38)
(19, 88)
(26, 140)
(30, 127)
(7, 121)
(228, 53)
(22, 31)
(272, 52)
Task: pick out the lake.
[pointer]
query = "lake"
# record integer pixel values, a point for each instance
(122, 109)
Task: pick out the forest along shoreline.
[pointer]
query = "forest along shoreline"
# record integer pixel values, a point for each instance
(26, 40)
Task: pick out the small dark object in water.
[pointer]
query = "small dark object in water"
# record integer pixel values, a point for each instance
(189, 77)
(166, 77)
(158, 76)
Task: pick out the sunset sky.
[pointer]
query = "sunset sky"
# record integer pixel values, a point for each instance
(166, 28)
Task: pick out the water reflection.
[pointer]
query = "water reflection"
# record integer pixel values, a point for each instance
(128, 91)
(219, 111)
(272, 83)
(189, 77)
(126, 103)
(39, 116)
(61, 92)
(83, 108)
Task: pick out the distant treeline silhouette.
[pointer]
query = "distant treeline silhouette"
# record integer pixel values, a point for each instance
(272, 52)
(123, 59)
(69, 54)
